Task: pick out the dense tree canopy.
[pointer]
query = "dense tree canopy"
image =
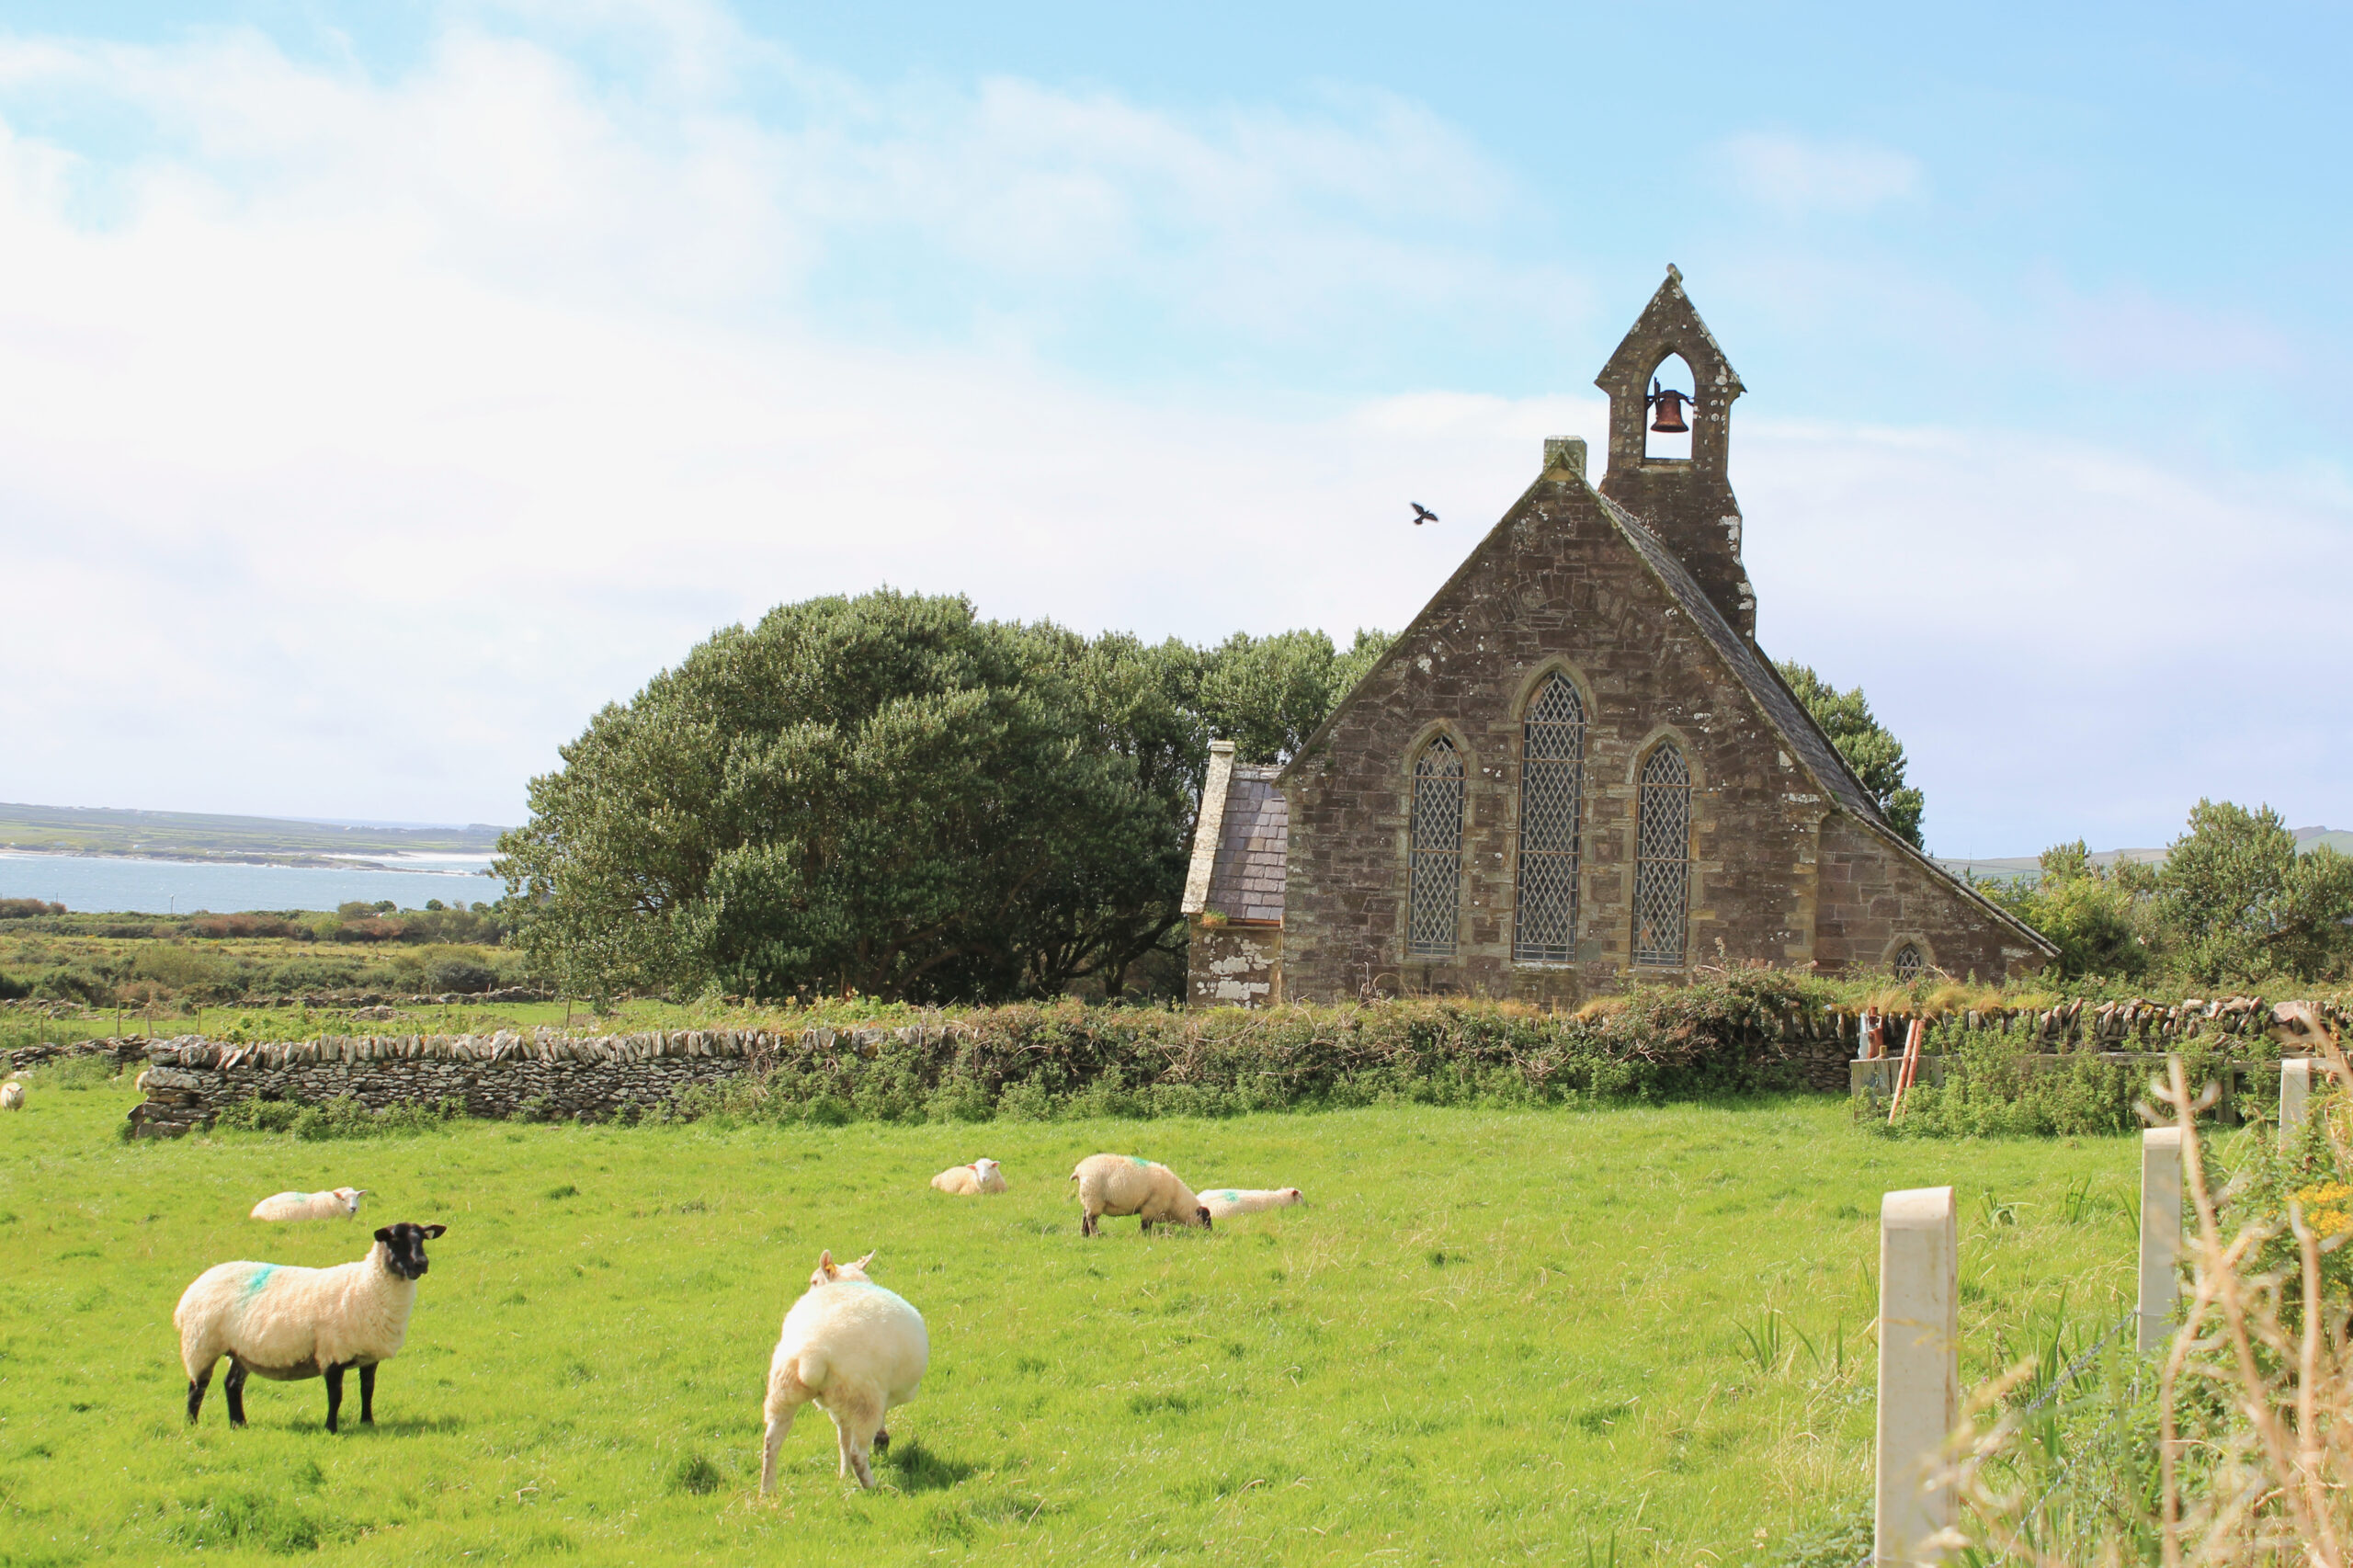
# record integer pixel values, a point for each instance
(1876, 756)
(2232, 902)
(892, 796)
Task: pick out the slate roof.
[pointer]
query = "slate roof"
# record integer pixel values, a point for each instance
(1765, 684)
(1252, 847)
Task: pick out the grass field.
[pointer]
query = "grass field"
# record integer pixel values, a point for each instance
(1491, 1336)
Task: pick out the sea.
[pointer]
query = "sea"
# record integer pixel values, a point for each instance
(107, 883)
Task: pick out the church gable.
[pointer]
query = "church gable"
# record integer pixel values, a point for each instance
(1575, 767)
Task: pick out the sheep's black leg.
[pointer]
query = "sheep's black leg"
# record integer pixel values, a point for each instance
(1147, 1227)
(334, 1392)
(882, 1441)
(196, 1387)
(233, 1388)
(368, 1394)
(1085, 1223)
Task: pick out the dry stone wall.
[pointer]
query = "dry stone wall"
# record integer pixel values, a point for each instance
(543, 1073)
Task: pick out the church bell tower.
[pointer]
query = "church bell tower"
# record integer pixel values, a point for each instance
(1686, 500)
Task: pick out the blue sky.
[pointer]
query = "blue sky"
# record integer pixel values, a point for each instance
(386, 387)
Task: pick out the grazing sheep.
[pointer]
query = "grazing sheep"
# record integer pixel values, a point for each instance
(1119, 1185)
(854, 1348)
(340, 1204)
(288, 1324)
(1227, 1201)
(966, 1181)
(12, 1096)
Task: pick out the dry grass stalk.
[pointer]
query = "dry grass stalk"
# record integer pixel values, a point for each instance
(2254, 1399)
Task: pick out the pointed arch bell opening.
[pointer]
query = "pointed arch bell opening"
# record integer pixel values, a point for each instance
(1433, 906)
(1663, 860)
(1552, 792)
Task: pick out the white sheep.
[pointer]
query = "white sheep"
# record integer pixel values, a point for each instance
(1119, 1185)
(288, 1324)
(12, 1095)
(965, 1181)
(140, 1083)
(340, 1204)
(854, 1348)
(1225, 1202)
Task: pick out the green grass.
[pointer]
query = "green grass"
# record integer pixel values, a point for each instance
(1488, 1336)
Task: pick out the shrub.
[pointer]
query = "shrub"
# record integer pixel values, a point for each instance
(28, 908)
(343, 1117)
(2007, 1085)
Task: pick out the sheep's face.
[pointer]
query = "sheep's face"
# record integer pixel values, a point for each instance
(1202, 1215)
(1291, 1195)
(986, 1168)
(828, 1272)
(349, 1197)
(404, 1247)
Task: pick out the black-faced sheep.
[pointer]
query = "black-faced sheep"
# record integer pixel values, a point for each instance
(967, 1181)
(1119, 1185)
(853, 1348)
(288, 1324)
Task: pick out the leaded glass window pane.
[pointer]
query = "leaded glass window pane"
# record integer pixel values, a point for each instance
(1908, 962)
(1435, 905)
(1662, 859)
(1552, 781)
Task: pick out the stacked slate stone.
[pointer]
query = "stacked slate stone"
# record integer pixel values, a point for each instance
(542, 1074)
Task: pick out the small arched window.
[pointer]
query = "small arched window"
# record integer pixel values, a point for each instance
(1436, 903)
(1552, 787)
(1907, 962)
(1662, 859)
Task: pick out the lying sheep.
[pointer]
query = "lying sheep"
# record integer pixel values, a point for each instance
(288, 1324)
(1227, 1201)
(854, 1348)
(965, 1181)
(12, 1096)
(1119, 1185)
(340, 1204)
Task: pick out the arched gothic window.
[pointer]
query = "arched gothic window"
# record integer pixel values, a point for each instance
(1662, 859)
(1552, 787)
(1907, 962)
(1436, 903)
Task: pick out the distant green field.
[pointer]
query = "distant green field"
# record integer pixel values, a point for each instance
(1489, 1336)
(201, 837)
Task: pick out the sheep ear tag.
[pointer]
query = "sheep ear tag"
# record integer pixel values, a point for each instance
(825, 1263)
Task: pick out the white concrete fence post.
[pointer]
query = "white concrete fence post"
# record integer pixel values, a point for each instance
(2160, 1233)
(2295, 1094)
(1919, 1368)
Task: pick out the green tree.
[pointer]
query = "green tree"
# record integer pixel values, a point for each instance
(1875, 756)
(883, 794)
(2096, 915)
(1268, 694)
(2244, 905)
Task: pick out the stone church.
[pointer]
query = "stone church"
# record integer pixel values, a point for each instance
(1575, 769)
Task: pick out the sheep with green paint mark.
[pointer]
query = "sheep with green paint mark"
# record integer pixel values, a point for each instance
(1119, 1185)
(289, 1323)
(1225, 1202)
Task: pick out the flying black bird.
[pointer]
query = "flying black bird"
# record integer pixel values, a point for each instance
(1422, 514)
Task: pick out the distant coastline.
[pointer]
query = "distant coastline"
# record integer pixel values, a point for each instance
(307, 859)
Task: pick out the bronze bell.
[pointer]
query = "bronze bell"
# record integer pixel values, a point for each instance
(1670, 409)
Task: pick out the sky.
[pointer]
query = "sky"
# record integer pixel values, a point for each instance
(385, 388)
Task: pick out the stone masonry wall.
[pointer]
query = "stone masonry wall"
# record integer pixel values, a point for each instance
(1233, 965)
(190, 1080)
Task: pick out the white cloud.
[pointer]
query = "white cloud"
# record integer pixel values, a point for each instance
(379, 432)
(1796, 175)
